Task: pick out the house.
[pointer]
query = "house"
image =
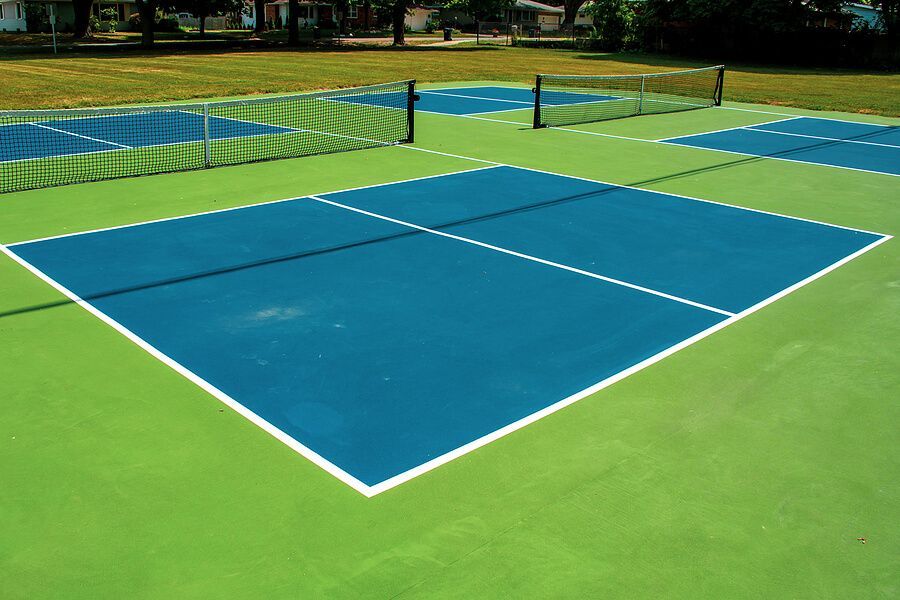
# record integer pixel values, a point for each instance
(12, 16)
(850, 16)
(527, 15)
(418, 17)
(864, 13)
(311, 14)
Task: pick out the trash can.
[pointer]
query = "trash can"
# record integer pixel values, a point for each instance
(448, 34)
(317, 33)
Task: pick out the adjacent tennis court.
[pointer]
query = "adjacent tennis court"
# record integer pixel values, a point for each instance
(862, 146)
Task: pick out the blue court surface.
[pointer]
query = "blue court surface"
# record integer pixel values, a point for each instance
(481, 99)
(874, 148)
(385, 328)
(44, 139)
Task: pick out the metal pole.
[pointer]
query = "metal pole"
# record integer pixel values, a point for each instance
(411, 111)
(720, 84)
(537, 102)
(641, 100)
(207, 153)
(53, 27)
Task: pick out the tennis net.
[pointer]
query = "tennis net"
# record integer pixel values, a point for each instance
(46, 148)
(572, 99)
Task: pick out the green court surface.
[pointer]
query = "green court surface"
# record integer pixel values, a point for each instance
(759, 462)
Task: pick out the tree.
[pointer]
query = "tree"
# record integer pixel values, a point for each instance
(293, 22)
(890, 16)
(209, 8)
(395, 11)
(614, 21)
(480, 10)
(571, 11)
(147, 10)
(82, 18)
(259, 21)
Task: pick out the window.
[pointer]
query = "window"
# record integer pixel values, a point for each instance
(1, 12)
(352, 13)
(18, 10)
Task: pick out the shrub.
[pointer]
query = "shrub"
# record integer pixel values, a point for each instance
(108, 22)
(168, 24)
(134, 22)
(430, 27)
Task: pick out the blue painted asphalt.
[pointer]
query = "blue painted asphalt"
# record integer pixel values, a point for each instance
(717, 255)
(381, 347)
(135, 130)
(841, 130)
(475, 100)
(761, 140)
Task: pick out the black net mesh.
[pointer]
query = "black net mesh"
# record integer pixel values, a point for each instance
(573, 99)
(48, 148)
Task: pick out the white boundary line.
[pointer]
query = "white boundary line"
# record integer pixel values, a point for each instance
(769, 157)
(241, 207)
(396, 480)
(443, 94)
(760, 127)
(671, 143)
(781, 114)
(78, 135)
(542, 261)
(675, 137)
(632, 187)
(239, 408)
(816, 137)
(491, 164)
(491, 437)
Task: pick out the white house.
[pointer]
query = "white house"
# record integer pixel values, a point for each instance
(418, 17)
(864, 12)
(12, 16)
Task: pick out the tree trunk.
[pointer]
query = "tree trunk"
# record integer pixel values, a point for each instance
(202, 18)
(82, 24)
(259, 23)
(571, 7)
(147, 10)
(367, 7)
(293, 23)
(398, 21)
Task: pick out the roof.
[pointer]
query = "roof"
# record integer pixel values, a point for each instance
(532, 5)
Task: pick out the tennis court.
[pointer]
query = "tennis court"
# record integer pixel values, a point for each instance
(471, 335)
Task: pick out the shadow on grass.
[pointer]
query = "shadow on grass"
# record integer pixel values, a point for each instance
(222, 47)
(666, 60)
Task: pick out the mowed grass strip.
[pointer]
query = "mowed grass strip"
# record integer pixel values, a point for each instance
(113, 79)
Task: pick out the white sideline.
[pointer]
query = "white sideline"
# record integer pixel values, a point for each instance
(817, 137)
(536, 416)
(234, 208)
(78, 135)
(542, 261)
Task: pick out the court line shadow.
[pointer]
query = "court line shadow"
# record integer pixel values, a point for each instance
(610, 188)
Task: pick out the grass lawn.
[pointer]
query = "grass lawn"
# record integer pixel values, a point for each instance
(100, 79)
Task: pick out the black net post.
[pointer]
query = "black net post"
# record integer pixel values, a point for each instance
(411, 111)
(537, 102)
(720, 84)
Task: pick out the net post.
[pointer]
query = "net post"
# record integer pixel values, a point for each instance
(207, 153)
(720, 83)
(641, 98)
(537, 103)
(411, 111)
